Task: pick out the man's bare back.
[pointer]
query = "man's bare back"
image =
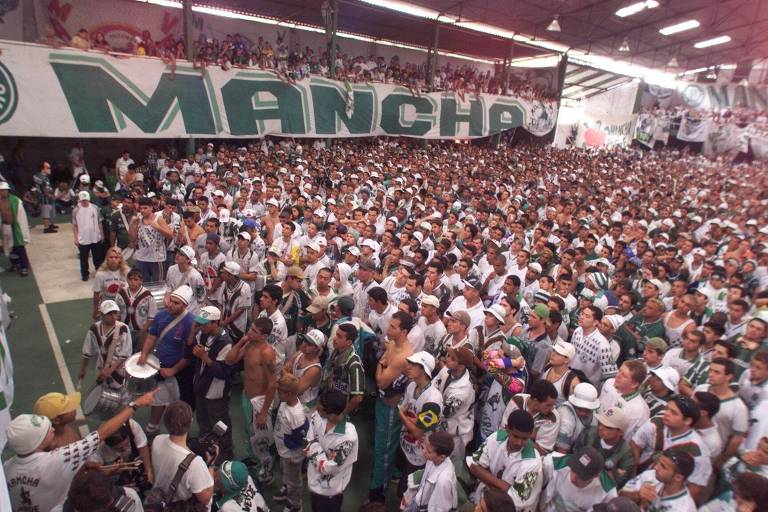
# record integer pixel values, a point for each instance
(260, 362)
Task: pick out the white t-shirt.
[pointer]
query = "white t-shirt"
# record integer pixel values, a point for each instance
(433, 333)
(634, 406)
(109, 283)
(679, 502)
(41, 481)
(166, 457)
(88, 222)
(733, 416)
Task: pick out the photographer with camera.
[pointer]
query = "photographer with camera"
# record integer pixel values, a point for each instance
(182, 480)
(213, 375)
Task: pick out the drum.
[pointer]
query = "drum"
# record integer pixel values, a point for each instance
(103, 401)
(140, 379)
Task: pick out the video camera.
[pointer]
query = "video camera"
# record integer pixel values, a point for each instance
(208, 444)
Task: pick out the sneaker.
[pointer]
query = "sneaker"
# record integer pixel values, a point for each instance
(24, 272)
(292, 508)
(50, 230)
(54, 226)
(281, 495)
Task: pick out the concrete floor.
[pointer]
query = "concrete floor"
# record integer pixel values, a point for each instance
(54, 292)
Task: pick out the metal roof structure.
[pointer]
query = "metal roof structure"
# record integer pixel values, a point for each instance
(591, 26)
(585, 81)
(588, 25)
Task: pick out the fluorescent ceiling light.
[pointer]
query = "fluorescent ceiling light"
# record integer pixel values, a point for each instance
(636, 8)
(165, 3)
(406, 8)
(231, 14)
(554, 26)
(679, 27)
(713, 42)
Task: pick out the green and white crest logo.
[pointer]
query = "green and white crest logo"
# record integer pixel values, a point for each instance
(8, 94)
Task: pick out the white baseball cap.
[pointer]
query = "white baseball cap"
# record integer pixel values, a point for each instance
(423, 359)
(187, 251)
(498, 311)
(668, 376)
(273, 202)
(108, 306)
(584, 396)
(314, 246)
(208, 314)
(232, 267)
(84, 195)
(564, 349)
(430, 300)
(315, 337)
(245, 235)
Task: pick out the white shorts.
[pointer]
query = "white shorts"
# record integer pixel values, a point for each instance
(169, 392)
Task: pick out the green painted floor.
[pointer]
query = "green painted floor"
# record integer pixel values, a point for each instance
(36, 373)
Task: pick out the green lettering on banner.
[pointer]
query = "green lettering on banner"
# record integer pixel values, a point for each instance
(450, 117)
(330, 105)
(391, 119)
(758, 99)
(91, 92)
(504, 116)
(740, 97)
(718, 96)
(244, 110)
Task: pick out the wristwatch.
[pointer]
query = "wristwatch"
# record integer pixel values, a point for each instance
(133, 405)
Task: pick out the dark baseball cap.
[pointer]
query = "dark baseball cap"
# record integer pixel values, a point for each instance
(586, 463)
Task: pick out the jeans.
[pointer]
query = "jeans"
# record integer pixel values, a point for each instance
(292, 481)
(19, 257)
(152, 271)
(208, 412)
(96, 252)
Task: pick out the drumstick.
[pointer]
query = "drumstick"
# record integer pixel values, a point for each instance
(152, 365)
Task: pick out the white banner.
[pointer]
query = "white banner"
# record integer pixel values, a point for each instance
(47, 92)
(605, 131)
(693, 129)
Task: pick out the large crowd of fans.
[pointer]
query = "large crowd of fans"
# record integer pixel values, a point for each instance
(299, 62)
(515, 327)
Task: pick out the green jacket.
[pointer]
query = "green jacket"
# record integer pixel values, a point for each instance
(619, 461)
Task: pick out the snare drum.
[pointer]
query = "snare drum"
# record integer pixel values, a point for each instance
(103, 401)
(141, 379)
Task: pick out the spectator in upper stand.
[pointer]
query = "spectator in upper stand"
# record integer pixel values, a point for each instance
(81, 40)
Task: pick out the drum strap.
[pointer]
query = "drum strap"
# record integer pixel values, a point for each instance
(108, 342)
(132, 306)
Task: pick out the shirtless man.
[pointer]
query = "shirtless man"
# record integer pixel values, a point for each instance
(391, 382)
(259, 385)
